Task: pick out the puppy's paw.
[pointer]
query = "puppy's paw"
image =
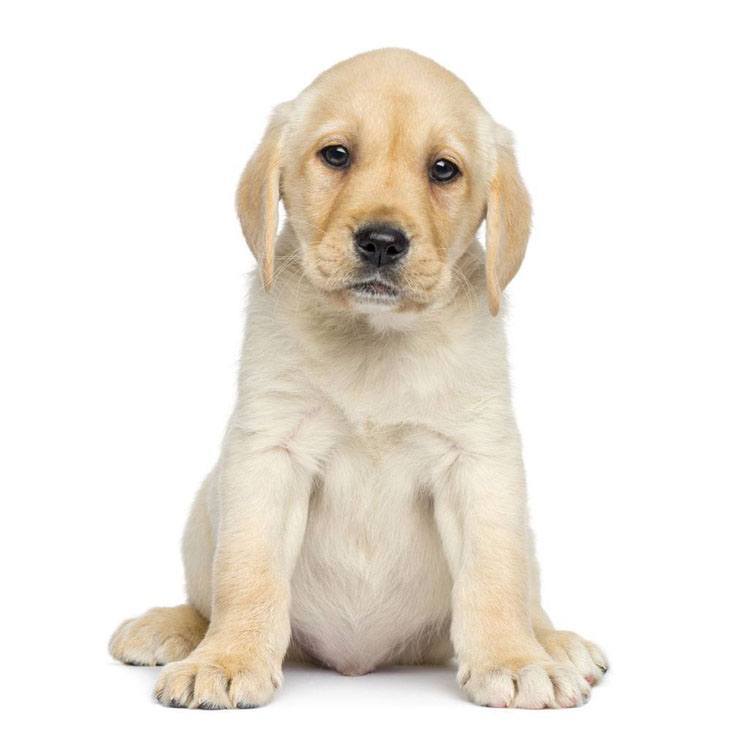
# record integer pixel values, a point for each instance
(571, 649)
(212, 682)
(534, 685)
(159, 636)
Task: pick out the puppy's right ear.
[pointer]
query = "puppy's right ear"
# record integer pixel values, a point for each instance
(257, 197)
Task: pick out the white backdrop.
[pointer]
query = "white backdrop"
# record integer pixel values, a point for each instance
(124, 128)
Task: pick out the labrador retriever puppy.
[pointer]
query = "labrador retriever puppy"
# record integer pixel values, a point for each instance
(368, 507)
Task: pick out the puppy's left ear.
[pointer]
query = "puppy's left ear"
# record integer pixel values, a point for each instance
(509, 215)
(257, 197)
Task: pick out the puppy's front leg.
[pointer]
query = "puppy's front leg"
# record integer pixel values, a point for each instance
(260, 509)
(481, 513)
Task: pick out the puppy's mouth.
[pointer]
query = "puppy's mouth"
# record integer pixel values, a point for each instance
(375, 291)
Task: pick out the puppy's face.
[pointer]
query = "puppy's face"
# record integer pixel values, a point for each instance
(383, 184)
(385, 164)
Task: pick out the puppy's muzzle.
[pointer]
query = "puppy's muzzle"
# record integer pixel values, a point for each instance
(381, 245)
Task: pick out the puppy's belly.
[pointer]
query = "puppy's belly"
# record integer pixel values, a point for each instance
(372, 585)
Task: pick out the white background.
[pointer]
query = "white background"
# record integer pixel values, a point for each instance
(123, 129)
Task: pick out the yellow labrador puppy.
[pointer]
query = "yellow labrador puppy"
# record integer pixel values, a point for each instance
(368, 507)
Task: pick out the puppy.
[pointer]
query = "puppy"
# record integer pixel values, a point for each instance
(368, 507)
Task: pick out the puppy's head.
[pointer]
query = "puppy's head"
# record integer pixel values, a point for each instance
(387, 164)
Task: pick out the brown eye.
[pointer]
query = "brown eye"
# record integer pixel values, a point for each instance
(443, 171)
(336, 156)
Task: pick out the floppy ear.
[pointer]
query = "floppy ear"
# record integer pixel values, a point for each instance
(257, 197)
(508, 222)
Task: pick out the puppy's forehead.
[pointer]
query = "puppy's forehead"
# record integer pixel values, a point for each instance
(383, 91)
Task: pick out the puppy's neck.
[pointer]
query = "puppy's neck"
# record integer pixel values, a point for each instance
(382, 321)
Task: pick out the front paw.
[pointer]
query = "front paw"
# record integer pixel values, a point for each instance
(571, 649)
(214, 681)
(528, 684)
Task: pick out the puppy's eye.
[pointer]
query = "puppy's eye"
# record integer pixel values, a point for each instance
(442, 171)
(336, 156)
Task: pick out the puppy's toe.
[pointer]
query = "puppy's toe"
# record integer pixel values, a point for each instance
(253, 688)
(159, 636)
(212, 683)
(210, 688)
(176, 684)
(571, 649)
(534, 686)
(494, 687)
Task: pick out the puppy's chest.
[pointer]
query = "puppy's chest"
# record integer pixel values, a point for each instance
(376, 399)
(372, 503)
(376, 451)
(375, 478)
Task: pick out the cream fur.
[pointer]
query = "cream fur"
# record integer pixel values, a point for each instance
(368, 506)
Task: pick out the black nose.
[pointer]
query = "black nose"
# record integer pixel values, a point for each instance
(380, 245)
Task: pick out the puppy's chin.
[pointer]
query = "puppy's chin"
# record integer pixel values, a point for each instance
(369, 293)
(366, 299)
(375, 295)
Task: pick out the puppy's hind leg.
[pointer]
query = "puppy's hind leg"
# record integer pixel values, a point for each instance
(159, 636)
